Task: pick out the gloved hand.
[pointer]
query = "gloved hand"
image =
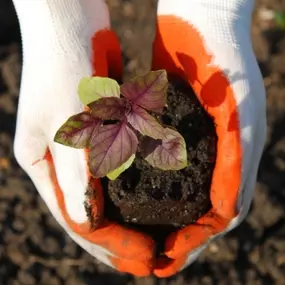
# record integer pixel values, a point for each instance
(208, 43)
(205, 41)
(63, 41)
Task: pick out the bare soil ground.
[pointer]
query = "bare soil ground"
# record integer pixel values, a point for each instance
(35, 250)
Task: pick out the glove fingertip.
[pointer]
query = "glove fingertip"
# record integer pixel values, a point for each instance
(166, 267)
(139, 269)
(107, 61)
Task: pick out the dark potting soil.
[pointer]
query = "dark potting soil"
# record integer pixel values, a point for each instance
(156, 201)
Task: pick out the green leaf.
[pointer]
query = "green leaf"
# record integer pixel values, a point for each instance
(91, 89)
(115, 173)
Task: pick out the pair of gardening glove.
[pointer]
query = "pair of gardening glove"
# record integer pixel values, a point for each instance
(208, 43)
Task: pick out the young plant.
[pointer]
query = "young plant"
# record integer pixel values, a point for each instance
(113, 117)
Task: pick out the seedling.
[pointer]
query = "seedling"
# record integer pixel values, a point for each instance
(115, 116)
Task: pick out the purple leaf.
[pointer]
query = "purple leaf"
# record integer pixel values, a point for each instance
(110, 108)
(78, 130)
(110, 148)
(167, 154)
(148, 91)
(145, 123)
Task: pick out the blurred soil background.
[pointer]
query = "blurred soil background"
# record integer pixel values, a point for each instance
(35, 250)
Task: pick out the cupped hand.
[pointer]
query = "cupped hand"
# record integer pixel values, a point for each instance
(64, 41)
(207, 42)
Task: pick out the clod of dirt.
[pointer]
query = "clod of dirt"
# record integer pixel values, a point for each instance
(150, 198)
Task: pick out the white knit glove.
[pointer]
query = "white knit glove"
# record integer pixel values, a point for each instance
(206, 41)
